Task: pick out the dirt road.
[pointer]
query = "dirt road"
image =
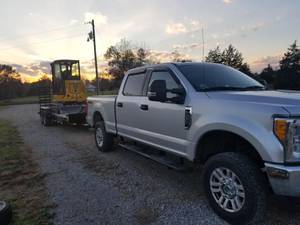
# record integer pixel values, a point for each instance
(119, 187)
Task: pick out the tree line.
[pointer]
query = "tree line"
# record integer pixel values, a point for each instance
(11, 85)
(123, 56)
(286, 76)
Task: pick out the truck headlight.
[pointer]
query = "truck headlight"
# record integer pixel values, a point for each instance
(288, 133)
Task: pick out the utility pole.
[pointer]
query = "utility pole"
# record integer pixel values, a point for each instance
(92, 36)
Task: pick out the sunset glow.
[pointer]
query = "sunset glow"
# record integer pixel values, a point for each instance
(38, 32)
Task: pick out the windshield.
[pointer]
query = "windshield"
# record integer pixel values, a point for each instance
(68, 70)
(214, 77)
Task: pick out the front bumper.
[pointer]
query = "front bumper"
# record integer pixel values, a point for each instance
(284, 180)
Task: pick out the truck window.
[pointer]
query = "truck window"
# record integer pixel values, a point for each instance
(134, 84)
(170, 82)
(207, 75)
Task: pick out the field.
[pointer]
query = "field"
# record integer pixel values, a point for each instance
(35, 99)
(21, 182)
(19, 101)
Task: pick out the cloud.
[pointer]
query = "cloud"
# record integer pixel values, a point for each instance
(253, 28)
(73, 22)
(268, 60)
(161, 56)
(187, 26)
(262, 62)
(277, 18)
(165, 56)
(195, 25)
(187, 46)
(214, 36)
(227, 1)
(33, 70)
(175, 28)
(242, 31)
(98, 17)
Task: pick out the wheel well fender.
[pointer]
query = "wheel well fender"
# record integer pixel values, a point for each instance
(217, 141)
(97, 117)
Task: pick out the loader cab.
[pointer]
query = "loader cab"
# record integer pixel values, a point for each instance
(63, 70)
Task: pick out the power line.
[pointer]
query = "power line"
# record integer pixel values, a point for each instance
(42, 42)
(41, 32)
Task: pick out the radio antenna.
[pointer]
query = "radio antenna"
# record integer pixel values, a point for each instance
(202, 44)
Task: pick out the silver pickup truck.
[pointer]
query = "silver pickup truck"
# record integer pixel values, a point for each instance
(247, 137)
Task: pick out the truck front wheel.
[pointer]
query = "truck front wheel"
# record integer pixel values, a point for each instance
(235, 188)
(104, 140)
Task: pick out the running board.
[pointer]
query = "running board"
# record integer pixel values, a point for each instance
(160, 159)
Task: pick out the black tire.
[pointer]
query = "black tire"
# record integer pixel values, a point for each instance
(253, 207)
(5, 213)
(45, 119)
(108, 139)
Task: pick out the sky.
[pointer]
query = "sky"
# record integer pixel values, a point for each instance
(34, 32)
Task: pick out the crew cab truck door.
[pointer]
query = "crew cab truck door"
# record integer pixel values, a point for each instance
(163, 123)
(128, 112)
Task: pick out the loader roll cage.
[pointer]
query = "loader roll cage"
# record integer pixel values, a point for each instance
(63, 70)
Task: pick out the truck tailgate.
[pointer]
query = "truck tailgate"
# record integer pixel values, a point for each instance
(103, 105)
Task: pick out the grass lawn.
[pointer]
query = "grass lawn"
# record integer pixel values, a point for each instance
(21, 182)
(35, 99)
(19, 101)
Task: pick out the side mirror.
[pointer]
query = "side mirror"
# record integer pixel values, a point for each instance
(158, 91)
(178, 91)
(179, 95)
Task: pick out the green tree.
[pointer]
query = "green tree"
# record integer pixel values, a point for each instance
(291, 59)
(289, 72)
(11, 85)
(214, 56)
(178, 57)
(123, 57)
(230, 57)
(268, 74)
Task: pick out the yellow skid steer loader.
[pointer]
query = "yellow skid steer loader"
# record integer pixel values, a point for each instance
(65, 100)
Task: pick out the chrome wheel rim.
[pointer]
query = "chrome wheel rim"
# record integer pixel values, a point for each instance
(227, 189)
(99, 137)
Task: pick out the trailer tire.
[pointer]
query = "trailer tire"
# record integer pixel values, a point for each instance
(45, 119)
(5, 213)
(241, 185)
(104, 141)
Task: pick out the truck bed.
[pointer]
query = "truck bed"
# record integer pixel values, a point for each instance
(105, 105)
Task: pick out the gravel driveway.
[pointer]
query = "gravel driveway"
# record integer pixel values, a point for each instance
(119, 187)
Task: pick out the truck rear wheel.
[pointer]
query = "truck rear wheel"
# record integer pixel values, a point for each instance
(104, 141)
(235, 188)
